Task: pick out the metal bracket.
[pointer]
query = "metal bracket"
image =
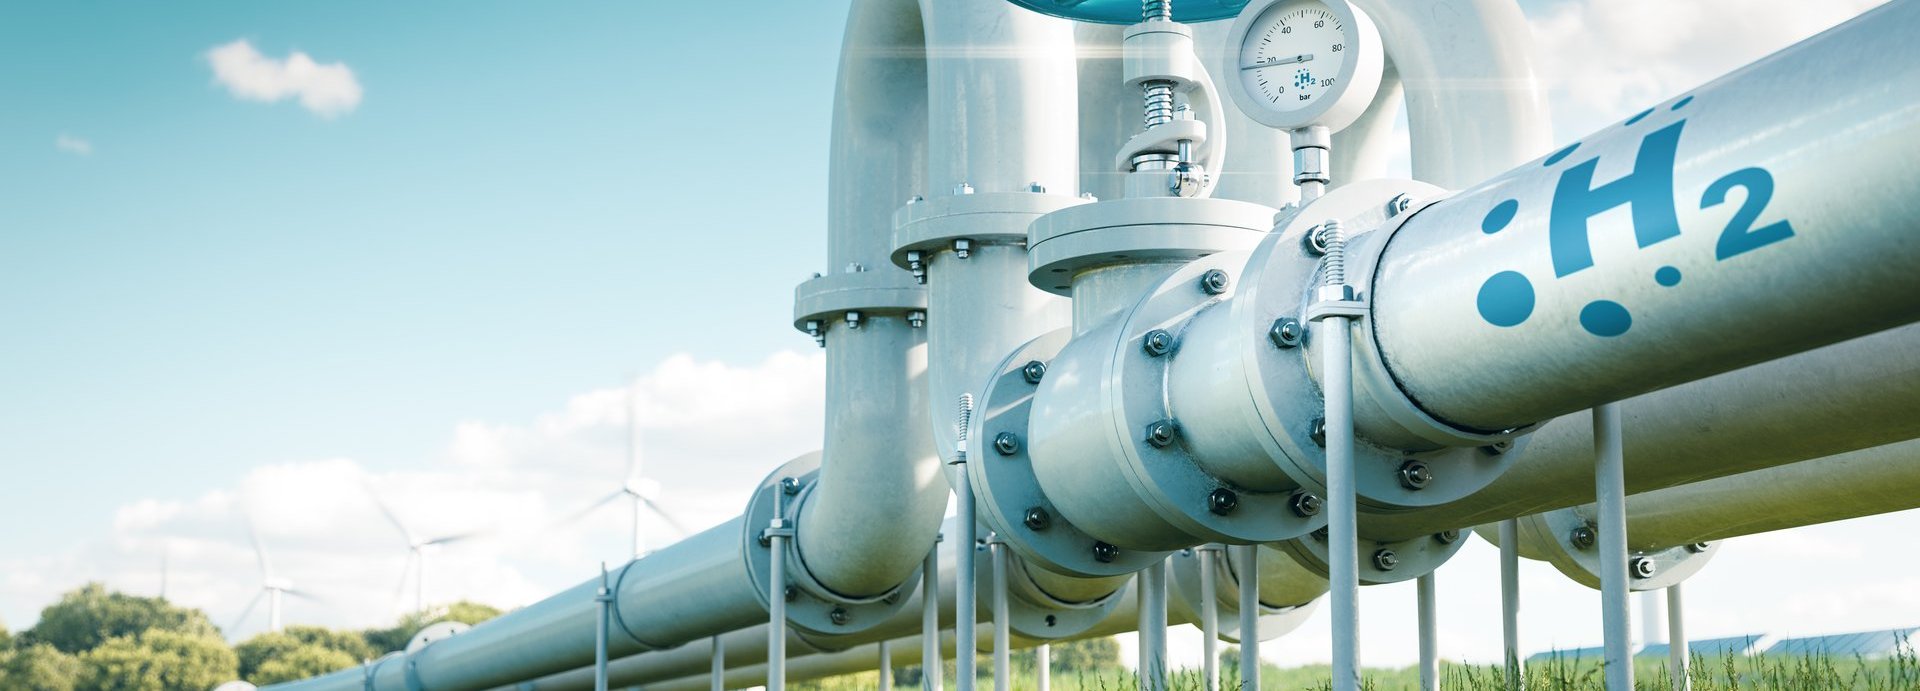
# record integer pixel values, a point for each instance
(1352, 309)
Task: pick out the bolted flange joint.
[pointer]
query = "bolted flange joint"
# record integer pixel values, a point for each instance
(1222, 501)
(1161, 433)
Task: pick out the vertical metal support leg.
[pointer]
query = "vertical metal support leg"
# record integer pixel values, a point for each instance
(1249, 583)
(1209, 617)
(1002, 657)
(1153, 627)
(778, 532)
(932, 666)
(604, 601)
(1510, 602)
(1343, 541)
(1679, 657)
(1610, 488)
(886, 665)
(1043, 667)
(1429, 635)
(966, 642)
(719, 673)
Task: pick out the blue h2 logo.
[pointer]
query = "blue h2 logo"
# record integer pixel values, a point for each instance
(1507, 298)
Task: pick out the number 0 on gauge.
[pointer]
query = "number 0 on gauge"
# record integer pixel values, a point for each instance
(1298, 63)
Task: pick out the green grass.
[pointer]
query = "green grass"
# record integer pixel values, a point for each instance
(1899, 672)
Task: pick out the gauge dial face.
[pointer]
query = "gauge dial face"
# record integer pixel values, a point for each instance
(1293, 53)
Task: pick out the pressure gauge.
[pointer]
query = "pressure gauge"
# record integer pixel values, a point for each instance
(1297, 63)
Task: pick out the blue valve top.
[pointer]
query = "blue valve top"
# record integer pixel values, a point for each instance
(1128, 11)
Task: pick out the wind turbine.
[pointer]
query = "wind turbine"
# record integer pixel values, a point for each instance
(271, 586)
(417, 548)
(636, 487)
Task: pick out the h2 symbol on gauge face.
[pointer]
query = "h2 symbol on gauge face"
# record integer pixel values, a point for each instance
(1507, 298)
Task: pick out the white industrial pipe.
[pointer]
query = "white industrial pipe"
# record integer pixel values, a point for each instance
(1711, 231)
(1868, 482)
(1847, 396)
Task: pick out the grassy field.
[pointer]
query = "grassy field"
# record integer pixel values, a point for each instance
(1900, 672)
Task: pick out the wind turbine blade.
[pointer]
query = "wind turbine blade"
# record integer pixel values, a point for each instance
(457, 537)
(590, 508)
(259, 552)
(662, 513)
(304, 595)
(391, 516)
(400, 591)
(242, 619)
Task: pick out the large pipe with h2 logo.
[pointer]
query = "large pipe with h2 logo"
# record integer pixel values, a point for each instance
(1766, 213)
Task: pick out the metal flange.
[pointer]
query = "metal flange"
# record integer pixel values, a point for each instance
(1382, 562)
(1404, 459)
(882, 290)
(1568, 539)
(1007, 494)
(811, 606)
(1166, 475)
(930, 226)
(1032, 612)
(1146, 229)
(1275, 620)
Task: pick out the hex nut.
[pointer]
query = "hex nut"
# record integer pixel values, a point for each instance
(1214, 282)
(1161, 433)
(1583, 537)
(1447, 537)
(1286, 332)
(1699, 547)
(1105, 553)
(839, 616)
(1034, 371)
(1642, 567)
(1037, 518)
(1306, 503)
(1222, 501)
(1318, 433)
(1385, 560)
(1498, 448)
(1006, 443)
(1157, 342)
(1415, 474)
(790, 593)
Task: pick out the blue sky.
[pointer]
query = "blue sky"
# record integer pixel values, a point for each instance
(527, 203)
(219, 307)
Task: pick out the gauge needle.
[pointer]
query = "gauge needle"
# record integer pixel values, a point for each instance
(1276, 62)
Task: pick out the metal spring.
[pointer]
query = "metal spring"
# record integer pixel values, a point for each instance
(1335, 242)
(1159, 103)
(1156, 9)
(963, 420)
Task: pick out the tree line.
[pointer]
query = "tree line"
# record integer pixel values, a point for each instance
(94, 639)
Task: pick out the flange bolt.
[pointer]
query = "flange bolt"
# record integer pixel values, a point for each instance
(1214, 281)
(790, 593)
(1158, 342)
(1160, 433)
(1642, 567)
(1286, 332)
(1105, 553)
(1583, 537)
(1319, 432)
(1007, 443)
(1034, 371)
(1306, 503)
(839, 616)
(1699, 547)
(1221, 501)
(1385, 560)
(1447, 537)
(1414, 474)
(1037, 518)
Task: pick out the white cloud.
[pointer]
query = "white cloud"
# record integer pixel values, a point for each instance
(73, 145)
(1604, 60)
(710, 430)
(327, 90)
